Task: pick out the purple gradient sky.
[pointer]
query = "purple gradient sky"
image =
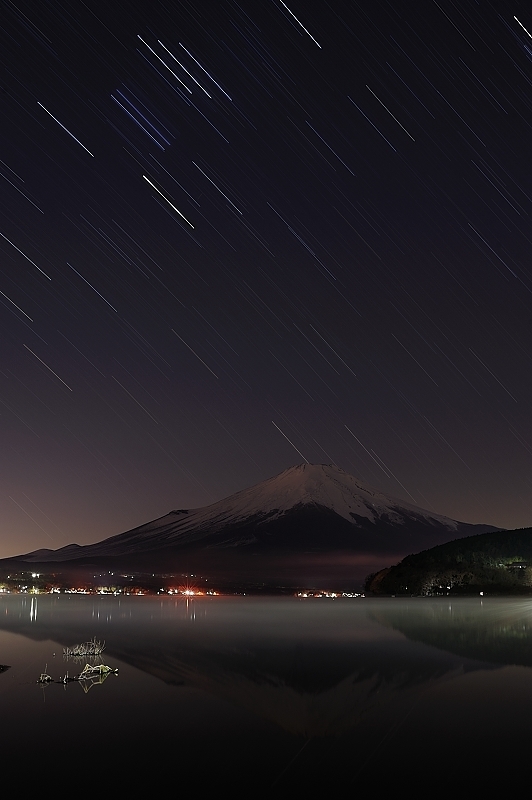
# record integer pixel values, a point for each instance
(349, 283)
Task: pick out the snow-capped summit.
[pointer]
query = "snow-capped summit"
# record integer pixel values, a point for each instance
(322, 485)
(309, 509)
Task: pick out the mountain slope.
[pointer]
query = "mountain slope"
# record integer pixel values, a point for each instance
(306, 511)
(494, 562)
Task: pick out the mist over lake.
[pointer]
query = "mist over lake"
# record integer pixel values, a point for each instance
(270, 693)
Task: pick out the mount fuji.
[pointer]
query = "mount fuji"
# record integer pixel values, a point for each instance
(312, 521)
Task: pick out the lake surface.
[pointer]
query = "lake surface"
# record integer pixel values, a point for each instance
(271, 694)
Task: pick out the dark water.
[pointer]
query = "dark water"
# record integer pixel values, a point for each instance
(271, 695)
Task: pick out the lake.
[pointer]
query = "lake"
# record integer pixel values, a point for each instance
(269, 694)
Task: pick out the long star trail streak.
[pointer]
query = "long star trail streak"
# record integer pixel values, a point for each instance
(176, 89)
(92, 287)
(292, 376)
(390, 113)
(19, 418)
(205, 71)
(436, 431)
(523, 27)
(17, 307)
(302, 241)
(330, 148)
(194, 353)
(49, 368)
(175, 180)
(22, 193)
(381, 466)
(372, 124)
(410, 90)
(65, 129)
(137, 123)
(318, 351)
(81, 354)
(12, 170)
(165, 65)
(334, 351)
(101, 235)
(414, 359)
(186, 70)
(168, 201)
(135, 243)
(33, 520)
(134, 399)
(492, 375)
(290, 442)
(146, 120)
(493, 251)
(207, 120)
(394, 476)
(217, 187)
(496, 188)
(358, 234)
(25, 256)
(299, 23)
(454, 26)
(42, 512)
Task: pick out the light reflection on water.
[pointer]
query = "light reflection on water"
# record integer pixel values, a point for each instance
(274, 692)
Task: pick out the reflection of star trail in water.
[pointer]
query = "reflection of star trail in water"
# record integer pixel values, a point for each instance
(216, 217)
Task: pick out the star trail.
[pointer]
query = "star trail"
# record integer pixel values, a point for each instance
(238, 236)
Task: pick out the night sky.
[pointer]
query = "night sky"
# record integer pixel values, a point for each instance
(239, 236)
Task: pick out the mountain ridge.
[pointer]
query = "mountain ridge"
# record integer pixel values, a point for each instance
(310, 522)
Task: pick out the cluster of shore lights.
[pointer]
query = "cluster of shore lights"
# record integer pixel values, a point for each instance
(187, 591)
(329, 594)
(106, 590)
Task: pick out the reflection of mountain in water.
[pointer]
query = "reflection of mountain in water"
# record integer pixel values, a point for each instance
(311, 670)
(500, 633)
(308, 691)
